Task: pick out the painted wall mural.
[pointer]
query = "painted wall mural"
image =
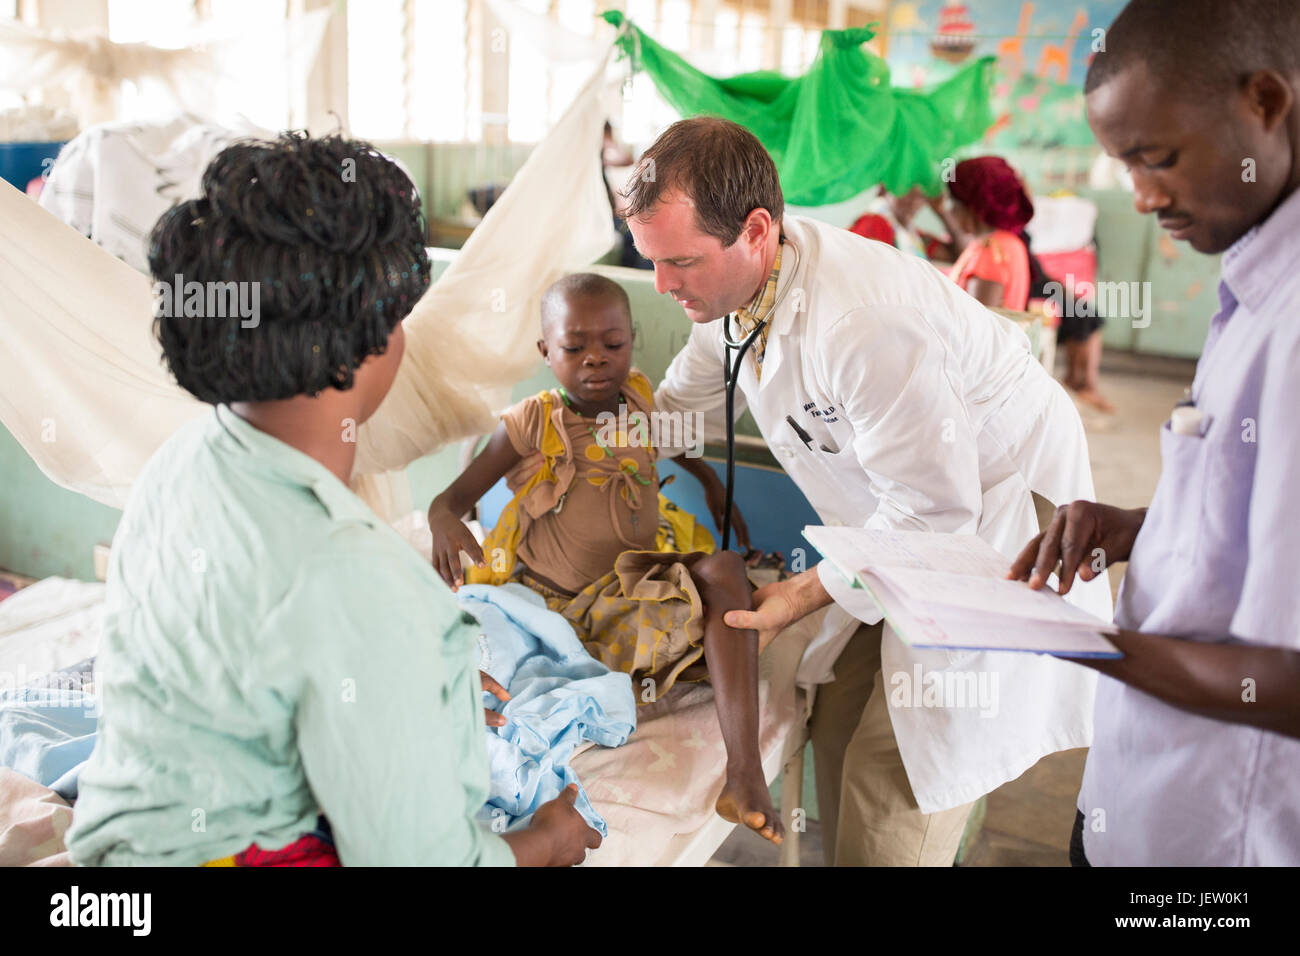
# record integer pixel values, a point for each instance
(1043, 49)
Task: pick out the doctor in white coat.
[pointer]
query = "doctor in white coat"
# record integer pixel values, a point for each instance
(917, 409)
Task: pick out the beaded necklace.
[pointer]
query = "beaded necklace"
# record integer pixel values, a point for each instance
(634, 471)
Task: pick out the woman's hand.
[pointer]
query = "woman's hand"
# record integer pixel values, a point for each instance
(941, 245)
(557, 834)
(491, 717)
(451, 536)
(1084, 538)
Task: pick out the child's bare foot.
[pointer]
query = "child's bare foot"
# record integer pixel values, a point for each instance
(745, 799)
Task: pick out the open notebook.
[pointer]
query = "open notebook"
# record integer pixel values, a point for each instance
(950, 591)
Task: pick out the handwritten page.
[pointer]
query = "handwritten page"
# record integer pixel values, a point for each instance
(950, 591)
(956, 631)
(857, 549)
(930, 589)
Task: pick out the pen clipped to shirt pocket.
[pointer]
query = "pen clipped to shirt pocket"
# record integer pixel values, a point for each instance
(1182, 483)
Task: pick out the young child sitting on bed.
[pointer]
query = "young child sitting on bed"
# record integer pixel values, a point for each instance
(582, 532)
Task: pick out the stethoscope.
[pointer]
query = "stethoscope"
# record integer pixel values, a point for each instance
(730, 376)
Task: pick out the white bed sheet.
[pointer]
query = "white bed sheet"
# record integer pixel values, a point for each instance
(48, 626)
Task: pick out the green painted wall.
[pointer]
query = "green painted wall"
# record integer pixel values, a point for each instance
(46, 529)
(1183, 289)
(444, 172)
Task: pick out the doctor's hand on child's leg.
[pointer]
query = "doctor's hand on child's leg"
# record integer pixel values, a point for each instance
(732, 657)
(778, 605)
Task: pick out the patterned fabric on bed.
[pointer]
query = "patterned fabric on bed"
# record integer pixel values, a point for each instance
(33, 820)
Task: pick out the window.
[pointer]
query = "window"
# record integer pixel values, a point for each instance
(261, 89)
(8, 99)
(541, 87)
(256, 84)
(161, 23)
(377, 107)
(440, 73)
(726, 40)
(753, 36)
(422, 70)
(529, 85)
(415, 66)
(674, 24)
(577, 16)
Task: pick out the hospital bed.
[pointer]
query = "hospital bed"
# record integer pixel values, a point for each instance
(658, 790)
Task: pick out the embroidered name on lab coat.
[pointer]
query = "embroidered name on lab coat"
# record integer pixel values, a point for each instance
(827, 414)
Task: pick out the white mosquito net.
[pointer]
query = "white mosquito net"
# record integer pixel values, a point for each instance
(84, 391)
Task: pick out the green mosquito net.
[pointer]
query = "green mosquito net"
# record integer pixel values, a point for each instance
(840, 128)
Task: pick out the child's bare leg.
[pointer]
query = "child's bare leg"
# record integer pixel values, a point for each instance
(732, 656)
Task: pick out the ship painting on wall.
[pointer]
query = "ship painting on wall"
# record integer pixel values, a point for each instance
(955, 39)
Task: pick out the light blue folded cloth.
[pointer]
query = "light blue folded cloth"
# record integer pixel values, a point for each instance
(47, 733)
(560, 696)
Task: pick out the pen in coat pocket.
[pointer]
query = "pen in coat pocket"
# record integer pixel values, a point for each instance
(806, 438)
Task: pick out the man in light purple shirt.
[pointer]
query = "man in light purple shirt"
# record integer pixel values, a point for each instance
(1196, 753)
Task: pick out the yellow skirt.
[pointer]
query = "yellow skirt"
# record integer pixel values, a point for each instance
(645, 618)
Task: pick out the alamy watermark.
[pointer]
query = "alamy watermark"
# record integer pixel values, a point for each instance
(1113, 300)
(950, 689)
(59, 690)
(211, 300)
(129, 910)
(658, 429)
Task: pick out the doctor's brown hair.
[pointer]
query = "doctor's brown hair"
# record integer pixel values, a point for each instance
(719, 164)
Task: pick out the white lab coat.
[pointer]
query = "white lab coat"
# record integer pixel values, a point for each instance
(927, 412)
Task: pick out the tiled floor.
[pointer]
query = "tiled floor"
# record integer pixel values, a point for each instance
(1028, 820)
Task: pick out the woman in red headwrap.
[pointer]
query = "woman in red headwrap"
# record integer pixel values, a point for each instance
(989, 211)
(987, 219)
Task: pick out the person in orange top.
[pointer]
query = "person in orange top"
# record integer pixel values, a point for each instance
(986, 219)
(987, 215)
